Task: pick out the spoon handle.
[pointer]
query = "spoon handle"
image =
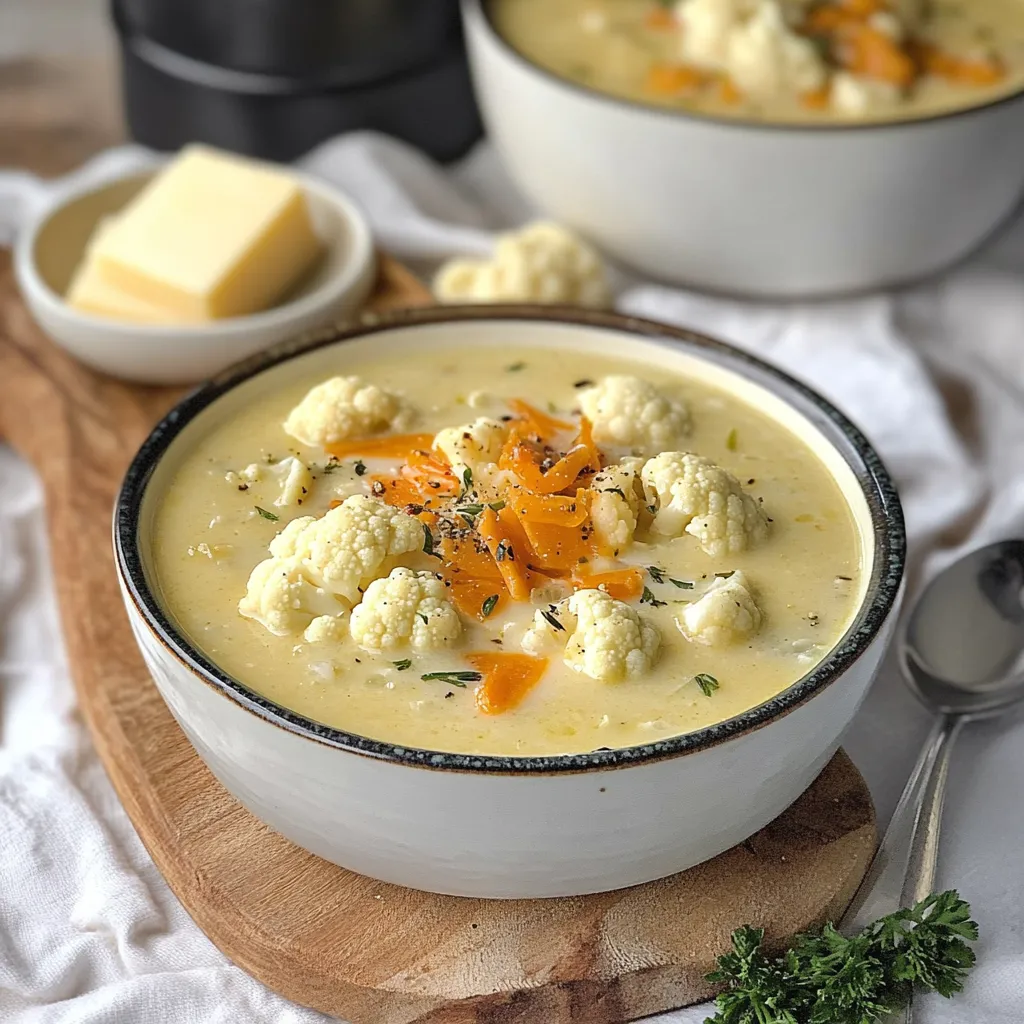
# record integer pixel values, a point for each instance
(903, 870)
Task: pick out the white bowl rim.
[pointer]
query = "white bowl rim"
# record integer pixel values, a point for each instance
(479, 11)
(323, 297)
(888, 534)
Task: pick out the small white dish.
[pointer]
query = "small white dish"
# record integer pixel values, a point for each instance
(57, 223)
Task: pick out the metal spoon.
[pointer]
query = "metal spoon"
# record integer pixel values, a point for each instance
(962, 654)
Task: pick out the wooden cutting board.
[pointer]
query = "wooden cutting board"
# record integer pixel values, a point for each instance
(324, 937)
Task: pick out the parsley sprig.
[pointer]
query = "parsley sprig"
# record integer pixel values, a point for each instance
(828, 978)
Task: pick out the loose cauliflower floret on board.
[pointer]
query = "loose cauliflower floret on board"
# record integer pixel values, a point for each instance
(691, 493)
(633, 413)
(604, 638)
(726, 614)
(349, 546)
(405, 609)
(472, 445)
(751, 42)
(615, 503)
(344, 407)
(282, 598)
(543, 262)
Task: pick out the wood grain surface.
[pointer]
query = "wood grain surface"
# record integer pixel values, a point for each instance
(366, 951)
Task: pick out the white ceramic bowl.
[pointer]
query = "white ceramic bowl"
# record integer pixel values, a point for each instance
(50, 245)
(744, 207)
(515, 826)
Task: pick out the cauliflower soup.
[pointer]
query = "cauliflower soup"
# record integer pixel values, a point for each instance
(779, 60)
(528, 551)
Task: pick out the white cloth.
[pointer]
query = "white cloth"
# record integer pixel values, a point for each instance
(89, 932)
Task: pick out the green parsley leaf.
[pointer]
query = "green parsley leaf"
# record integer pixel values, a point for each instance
(330, 467)
(423, 618)
(838, 979)
(658, 575)
(707, 683)
(403, 664)
(428, 542)
(488, 606)
(467, 478)
(647, 597)
(681, 584)
(273, 517)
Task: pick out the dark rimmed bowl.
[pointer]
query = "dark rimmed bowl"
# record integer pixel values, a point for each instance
(516, 826)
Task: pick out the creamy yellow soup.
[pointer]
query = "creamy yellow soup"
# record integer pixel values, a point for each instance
(216, 517)
(779, 60)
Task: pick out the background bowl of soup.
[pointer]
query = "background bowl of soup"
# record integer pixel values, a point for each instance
(587, 786)
(779, 200)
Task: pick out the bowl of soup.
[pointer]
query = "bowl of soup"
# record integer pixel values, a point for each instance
(773, 148)
(510, 601)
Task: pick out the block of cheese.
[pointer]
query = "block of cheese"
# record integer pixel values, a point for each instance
(212, 235)
(91, 292)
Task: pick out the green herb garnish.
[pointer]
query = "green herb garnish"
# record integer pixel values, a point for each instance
(828, 978)
(647, 597)
(681, 584)
(423, 618)
(454, 678)
(267, 515)
(360, 467)
(467, 478)
(403, 664)
(515, 367)
(614, 490)
(428, 542)
(552, 620)
(725, 575)
(488, 606)
(707, 683)
(732, 440)
(330, 467)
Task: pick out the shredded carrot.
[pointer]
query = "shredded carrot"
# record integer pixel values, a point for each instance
(817, 99)
(861, 8)
(557, 509)
(335, 502)
(866, 51)
(511, 563)
(508, 678)
(396, 491)
(430, 474)
(674, 79)
(622, 584)
(395, 446)
(562, 474)
(586, 438)
(540, 422)
(471, 595)
(964, 70)
(728, 92)
(660, 19)
(559, 547)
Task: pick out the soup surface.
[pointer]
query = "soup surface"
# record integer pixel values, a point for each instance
(487, 591)
(779, 60)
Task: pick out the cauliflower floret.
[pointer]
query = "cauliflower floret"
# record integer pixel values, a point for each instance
(344, 407)
(858, 97)
(633, 413)
(726, 614)
(405, 608)
(282, 598)
(615, 503)
(751, 42)
(543, 262)
(691, 493)
(604, 638)
(346, 548)
(325, 629)
(473, 445)
(292, 473)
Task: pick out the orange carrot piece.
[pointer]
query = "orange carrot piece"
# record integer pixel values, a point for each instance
(728, 92)
(470, 595)
(660, 19)
(561, 475)
(674, 79)
(862, 9)
(962, 70)
(396, 491)
(866, 51)
(395, 446)
(586, 438)
(817, 99)
(558, 547)
(622, 584)
(541, 422)
(557, 509)
(508, 678)
(511, 563)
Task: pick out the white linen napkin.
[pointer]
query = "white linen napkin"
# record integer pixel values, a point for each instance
(89, 931)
